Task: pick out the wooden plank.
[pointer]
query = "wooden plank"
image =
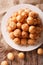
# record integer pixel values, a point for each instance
(34, 58)
(40, 58)
(28, 58)
(31, 58)
(17, 61)
(3, 57)
(3, 54)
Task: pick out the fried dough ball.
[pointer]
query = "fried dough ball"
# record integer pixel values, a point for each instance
(32, 29)
(30, 20)
(17, 40)
(12, 25)
(40, 51)
(31, 42)
(20, 11)
(9, 20)
(11, 34)
(25, 27)
(17, 33)
(24, 14)
(38, 29)
(10, 56)
(9, 29)
(20, 18)
(33, 14)
(39, 21)
(24, 34)
(21, 55)
(14, 19)
(23, 41)
(19, 25)
(34, 36)
(4, 62)
(27, 10)
(15, 14)
(35, 22)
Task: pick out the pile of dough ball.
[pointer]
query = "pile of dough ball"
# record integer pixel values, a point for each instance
(24, 27)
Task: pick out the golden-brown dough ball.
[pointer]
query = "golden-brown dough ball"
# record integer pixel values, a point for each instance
(27, 10)
(17, 40)
(20, 18)
(32, 29)
(4, 62)
(34, 36)
(30, 20)
(40, 51)
(31, 42)
(25, 27)
(39, 21)
(21, 55)
(14, 19)
(35, 22)
(17, 33)
(15, 14)
(9, 29)
(12, 25)
(33, 14)
(11, 34)
(24, 14)
(9, 21)
(10, 56)
(24, 34)
(23, 41)
(20, 11)
(38, 29)
(19, 25)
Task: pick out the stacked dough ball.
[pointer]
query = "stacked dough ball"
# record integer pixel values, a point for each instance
(24, 27)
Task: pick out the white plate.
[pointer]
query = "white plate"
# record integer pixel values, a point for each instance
(4, 29)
